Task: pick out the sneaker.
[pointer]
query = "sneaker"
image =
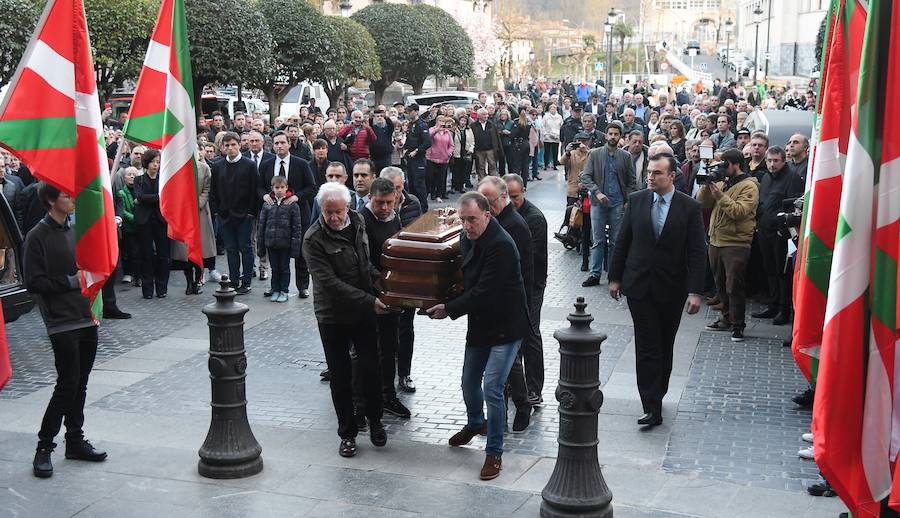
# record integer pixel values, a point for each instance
(377, 434)
(590, 281)
(807, 437)
(467, 433)
(127, 279)
(406, 384)
(82, 450)
(522, 420)
(805, 399)
(214, 276)
(822, 488)
(395, 407)
(304, 294)
(325, 375)
(275, 296)
(263, 274)
(737, 335)
(282, 297)
(491, 468)
(718, 325)
(807, 454)
(42, 466)
(361, 423)
(243, 289)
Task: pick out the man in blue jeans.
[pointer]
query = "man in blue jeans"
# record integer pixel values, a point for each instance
(494, 299)
(609, 176)
(233, 198)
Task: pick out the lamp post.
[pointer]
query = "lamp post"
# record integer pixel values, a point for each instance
(345, 7)
(531, 64)
(768, 38)
(729, 25)
(607, 27)
(757, 18)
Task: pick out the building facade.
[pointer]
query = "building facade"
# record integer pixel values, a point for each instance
(787, 28)
(678, 21)
(460, 9)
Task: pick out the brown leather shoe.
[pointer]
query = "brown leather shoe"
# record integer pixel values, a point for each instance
(466, 435)
(712, 301)
(491, 468)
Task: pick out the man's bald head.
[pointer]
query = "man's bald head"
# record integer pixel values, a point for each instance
(659, 147)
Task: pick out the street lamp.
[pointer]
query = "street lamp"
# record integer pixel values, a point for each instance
(345, 7)
(607, 27)
(757, 19)
(729, 26)
(531, 63)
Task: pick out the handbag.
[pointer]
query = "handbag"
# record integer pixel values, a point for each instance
(576, 217)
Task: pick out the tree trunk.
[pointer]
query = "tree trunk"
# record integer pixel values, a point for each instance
(275, 99)
(417, 84)
(379, 88)
(334, 94)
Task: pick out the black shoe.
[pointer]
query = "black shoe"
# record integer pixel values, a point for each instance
(148, 297)
(42, 466)
(137, 283)
(161, 295)
(823, 488)
(782, 318)
(769, 312)
(116, 314)
(347, 447)
(303, 293)
(406, 384)
(650, 419)
(737, 335)
(522, 419)
(395, 407)
(377, 434)
(267, 294)
(584, 267)
(361, 424)
(718, 325)
(805, 399)
(325, 375)
(590, 281)
(243, 290)
(82, 450)
(535, 399)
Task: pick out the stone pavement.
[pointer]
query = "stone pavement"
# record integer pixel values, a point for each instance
(727, 448)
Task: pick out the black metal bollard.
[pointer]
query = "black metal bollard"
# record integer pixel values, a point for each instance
(576, 487)
(230, 449)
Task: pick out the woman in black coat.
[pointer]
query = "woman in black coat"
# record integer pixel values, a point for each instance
(152, 229)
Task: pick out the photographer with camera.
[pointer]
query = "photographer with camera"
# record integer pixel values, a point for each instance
(734, 198)
(777, 185)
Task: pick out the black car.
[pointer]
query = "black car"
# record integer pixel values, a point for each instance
(16, 301)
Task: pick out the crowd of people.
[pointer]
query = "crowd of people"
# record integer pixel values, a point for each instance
(326, 189)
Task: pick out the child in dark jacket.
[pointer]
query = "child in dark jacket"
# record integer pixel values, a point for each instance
(280, 235)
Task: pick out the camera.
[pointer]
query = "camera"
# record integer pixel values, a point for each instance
(788, 220)
(711, 173)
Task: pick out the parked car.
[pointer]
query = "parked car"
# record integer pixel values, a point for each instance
(453, 97)
(16, 301)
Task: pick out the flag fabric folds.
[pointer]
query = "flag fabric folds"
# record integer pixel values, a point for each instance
(50, 119)
(855, 411)
(5, 364)
(162, 116)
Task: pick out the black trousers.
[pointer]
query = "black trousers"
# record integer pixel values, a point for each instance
(462, 168)
(655, 326)
(73, 354)
(336, 340)
(407, 336)
(436, 179)
(109, 287)
(131, 253)
(774, 259)
(301, 273)
(533, 345)
(156, 260)
(415, 180)
(388, 340)
(551, 154)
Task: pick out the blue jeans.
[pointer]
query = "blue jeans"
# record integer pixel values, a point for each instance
(492, 365)
(236, 236)
(280, 263)
(601, 216)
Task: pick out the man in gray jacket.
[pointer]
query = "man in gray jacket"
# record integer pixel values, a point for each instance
(609, 176)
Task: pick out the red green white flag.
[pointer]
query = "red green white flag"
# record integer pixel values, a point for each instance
(50, 119)
(856, 419)
(162, 116)
(831, 133)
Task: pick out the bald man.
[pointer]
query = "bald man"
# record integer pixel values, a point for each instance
(797, 150)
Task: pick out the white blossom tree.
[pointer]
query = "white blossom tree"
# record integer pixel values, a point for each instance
(488, 48)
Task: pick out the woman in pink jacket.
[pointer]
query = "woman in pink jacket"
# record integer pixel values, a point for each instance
(438, 156)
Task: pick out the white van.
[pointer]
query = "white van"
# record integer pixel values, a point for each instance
(300, 95)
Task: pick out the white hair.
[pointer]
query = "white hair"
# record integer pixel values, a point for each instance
(390, 172)
(333, 191)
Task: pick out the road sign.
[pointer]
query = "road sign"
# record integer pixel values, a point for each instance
(704, 67)
(692, 52)
(664, 66)
(598, 67)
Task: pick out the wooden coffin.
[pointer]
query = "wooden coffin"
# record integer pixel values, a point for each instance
(422, 265)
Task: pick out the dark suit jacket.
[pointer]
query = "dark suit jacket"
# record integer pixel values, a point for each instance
(265, 156)
(672, 266)
(300, 181)
(515, 225)
(537, 225)
(146, 197)
(494, 294)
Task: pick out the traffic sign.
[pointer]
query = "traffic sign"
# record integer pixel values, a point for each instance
(664, 65)
(692, 52)
(704, 67)
(598, 67)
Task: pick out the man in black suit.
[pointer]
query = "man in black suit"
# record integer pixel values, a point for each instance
(494, 299)
(258, 155)
(658, 262)
(302, 183)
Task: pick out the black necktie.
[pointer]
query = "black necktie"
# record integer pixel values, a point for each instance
(281, 171)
